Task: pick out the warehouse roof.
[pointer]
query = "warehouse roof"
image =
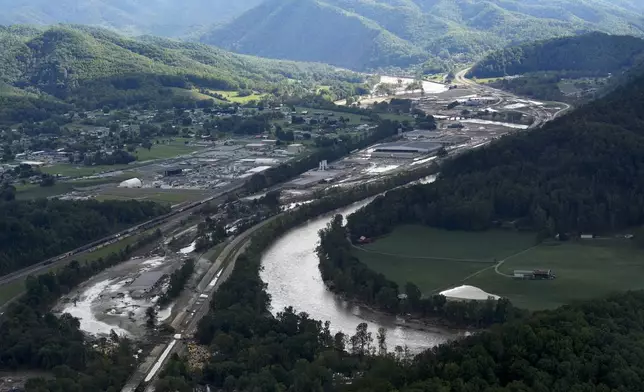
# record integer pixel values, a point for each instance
(420, 146)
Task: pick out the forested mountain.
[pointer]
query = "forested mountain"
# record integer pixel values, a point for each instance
(159, 17)
(92, 67)
(362, 34)
(583, 172)
(594, 54)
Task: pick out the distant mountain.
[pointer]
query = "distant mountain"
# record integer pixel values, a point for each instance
(364, 34)
(591, 54)
(310, 30)
(158, 17)
(92, 67)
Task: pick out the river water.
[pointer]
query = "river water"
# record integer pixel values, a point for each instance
(293, 278)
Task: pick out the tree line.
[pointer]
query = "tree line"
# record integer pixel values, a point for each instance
(594, 54)
(255, 350)
(345, 274)
(31, 337)
(33, 231)
(178, 280)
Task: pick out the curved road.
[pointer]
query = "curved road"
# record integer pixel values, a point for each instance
(540, 114)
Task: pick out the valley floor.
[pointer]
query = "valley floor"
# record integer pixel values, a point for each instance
(437, 260)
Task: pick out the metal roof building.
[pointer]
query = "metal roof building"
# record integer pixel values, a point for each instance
(409, 148)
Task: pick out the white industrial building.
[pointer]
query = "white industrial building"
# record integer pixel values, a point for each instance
(131, 183)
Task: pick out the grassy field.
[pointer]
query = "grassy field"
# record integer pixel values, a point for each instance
(436, 260)
(169, 196)
(585, 270)
(233, 96)
(25, 192)
(165, 151)
(397, 117)
(68, 170)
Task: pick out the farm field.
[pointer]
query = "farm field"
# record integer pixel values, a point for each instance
(584, 270)
(439, 259)
(436, 260)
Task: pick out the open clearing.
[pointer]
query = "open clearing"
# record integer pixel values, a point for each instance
(171, 196)
(69, 170)
(585, 269)
(233, 96)
(438, 259)
(34, 191)
(164, 151)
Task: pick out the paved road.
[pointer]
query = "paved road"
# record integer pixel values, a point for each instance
(540, 114)
(187, 321)
(176, 216)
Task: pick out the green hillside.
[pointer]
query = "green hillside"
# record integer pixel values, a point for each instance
(309, 30)
(92, 67)
(587, 55)
(159, 17)
(364, 34)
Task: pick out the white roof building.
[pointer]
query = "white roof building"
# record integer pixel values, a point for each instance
(467, 293)
(131, 183)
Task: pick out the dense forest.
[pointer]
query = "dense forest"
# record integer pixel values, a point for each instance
(592, 346)
(346, 275)
(594, 54)
(580, 173)
(33, 231)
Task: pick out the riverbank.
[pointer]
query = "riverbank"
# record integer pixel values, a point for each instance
(424, 324)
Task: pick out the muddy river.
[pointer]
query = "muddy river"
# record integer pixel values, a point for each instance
(293, 279)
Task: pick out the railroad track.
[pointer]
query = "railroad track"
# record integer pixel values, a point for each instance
(177, 214)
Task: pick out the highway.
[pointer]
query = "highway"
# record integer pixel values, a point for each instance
(541, 115)
(187, 321)
(174, 216)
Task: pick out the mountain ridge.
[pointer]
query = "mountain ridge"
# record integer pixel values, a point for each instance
(93, 67)
(589, 55)
(412, 31)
